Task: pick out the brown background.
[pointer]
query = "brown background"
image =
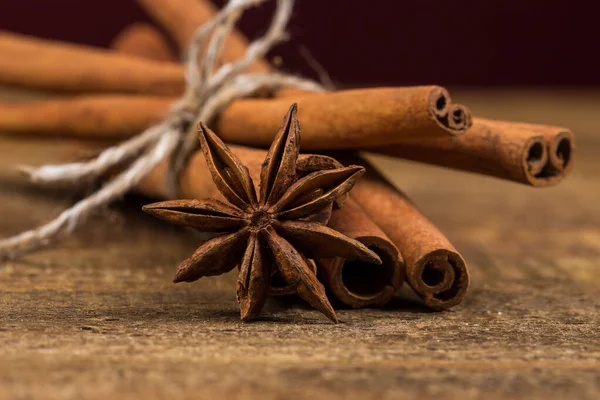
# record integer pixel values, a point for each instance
(389, 42)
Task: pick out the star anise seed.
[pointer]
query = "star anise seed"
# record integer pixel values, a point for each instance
(274, 234)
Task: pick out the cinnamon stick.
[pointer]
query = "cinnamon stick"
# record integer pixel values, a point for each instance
(536, 155)
(143, 40)
(358, 119)
(358, 284)
(99, 116)
(181, 18)
(560, 144)
(434, 269)
(36, 63)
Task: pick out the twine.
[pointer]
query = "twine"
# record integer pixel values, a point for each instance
(208, 91)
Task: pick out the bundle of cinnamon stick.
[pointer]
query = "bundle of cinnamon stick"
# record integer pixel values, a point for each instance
(116, 93)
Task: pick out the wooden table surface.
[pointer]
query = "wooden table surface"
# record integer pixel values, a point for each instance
(98, 317)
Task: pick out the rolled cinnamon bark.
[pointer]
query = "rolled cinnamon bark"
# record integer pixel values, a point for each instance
(355, 283)
(560, 145)
(98, 116)
(143, 40)
(434, 269)
(561, 149)
(357, 119)
(347, 119)
(36, 63)
(536, 155)
(181, 18)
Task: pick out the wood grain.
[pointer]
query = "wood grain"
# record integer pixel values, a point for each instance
(98, 318)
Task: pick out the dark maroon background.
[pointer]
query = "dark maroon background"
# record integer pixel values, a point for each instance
(385, 42)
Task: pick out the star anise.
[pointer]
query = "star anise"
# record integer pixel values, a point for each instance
(269, 234)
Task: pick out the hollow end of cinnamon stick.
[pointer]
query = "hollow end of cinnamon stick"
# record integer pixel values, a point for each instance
(549, 156)
(454, 118)
(361, 284)
(534, 160)
(358, 283)
(561, 148)
(440, 278)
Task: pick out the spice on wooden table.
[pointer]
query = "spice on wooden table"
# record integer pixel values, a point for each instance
(418, 118)
(269, 234)
(195, 182)
(536, 155)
